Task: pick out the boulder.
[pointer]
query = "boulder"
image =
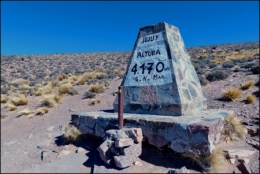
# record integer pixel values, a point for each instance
(256, 70)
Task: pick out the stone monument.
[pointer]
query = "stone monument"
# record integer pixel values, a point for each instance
(160, 78)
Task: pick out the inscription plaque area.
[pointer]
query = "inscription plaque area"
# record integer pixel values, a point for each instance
(160, 78)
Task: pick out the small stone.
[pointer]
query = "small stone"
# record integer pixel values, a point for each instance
(66, 147)
(124, 142)
(66, 152)
(137, 163)
(30, 136)
(50, 128)
(232, 160)
(71, 110)
(181, 170)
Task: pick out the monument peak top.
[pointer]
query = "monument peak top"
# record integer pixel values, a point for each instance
(160, 78)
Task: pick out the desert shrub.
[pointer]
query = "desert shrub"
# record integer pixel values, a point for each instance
(40, 75)
(200, 71)
(103, 76)
(15, 84)
(65, 88)
(97, 88)
(104, 82)
(11, 106)
(212, 65)
(71, 133)
(55, 73)
(36, 91)
(232, 93)
(89, 94)
(4, 90)
(95, 101)
(3, 80)
(228, 65)
(4, 98)
(72, 91)
(247, 85)
(237, 68)
(233, 128)
(217, 75)
(202, 80)
(111, 75)
(248, 65)
(250, 59)
(24, 112)
(42, 110)
(19, 100)
(250, 99)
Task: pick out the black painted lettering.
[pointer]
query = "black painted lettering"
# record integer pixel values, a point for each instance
(157, 52)
(156, 37)
(153, 52)
(159, 68)
(138, 54)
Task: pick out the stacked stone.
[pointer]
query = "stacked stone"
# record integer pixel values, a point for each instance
(121, 147)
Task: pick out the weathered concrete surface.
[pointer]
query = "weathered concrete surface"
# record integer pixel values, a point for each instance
(160, 78)
(197, 133)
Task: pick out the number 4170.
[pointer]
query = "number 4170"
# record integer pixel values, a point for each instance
(159, 67)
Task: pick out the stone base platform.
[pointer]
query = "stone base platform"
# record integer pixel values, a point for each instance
(197, 133)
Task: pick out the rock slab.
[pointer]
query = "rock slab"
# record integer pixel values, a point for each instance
(198, 133)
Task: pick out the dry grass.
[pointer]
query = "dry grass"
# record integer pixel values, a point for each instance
(71, 133)
(95, 101)
(64, 88)
(22, 81)
(88, 75)
(19, 100)
(42, 110)
(233, 128)
(11, 106)
(232, 93)
(24, 112)
(38, 85)
(247, 85)
(97, 88)
(51, 100)
(37, 92)
(218, 61)
(62, 77)
(118, 71)
(250, 99)
(4, 98)
(216, 160)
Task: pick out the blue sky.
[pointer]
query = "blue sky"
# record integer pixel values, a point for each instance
(31, 27)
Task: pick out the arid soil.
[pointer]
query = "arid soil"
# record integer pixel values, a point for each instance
(28, 141)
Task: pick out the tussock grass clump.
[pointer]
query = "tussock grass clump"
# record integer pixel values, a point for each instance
(232, 93)
(11, 106)
(209, 163)
(64, 88)
(247, 85)
(250, 99)
(97, 88)
(42, 110)
(95, 101)
(37, 91)
(216, 160)
(19, 100)
(24, 112)
(51, 100)
(71, 133)
(4, 98)
(233, 128)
